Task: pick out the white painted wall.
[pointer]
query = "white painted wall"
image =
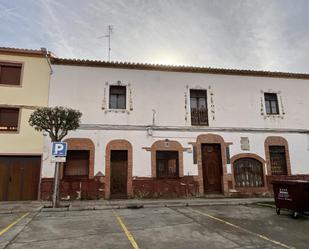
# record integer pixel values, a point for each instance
(237, 104)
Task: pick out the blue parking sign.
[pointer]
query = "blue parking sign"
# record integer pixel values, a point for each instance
(59, 149)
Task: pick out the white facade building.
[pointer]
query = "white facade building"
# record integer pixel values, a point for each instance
(153, 123)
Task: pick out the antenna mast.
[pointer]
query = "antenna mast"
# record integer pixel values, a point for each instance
(110, 31)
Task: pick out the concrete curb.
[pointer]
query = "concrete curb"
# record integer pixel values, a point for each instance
(146, 205)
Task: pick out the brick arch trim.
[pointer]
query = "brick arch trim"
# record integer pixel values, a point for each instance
(83, 144)
(249, 155)
(118, 144)
(173, 146)
(211, 139)
(277, 141)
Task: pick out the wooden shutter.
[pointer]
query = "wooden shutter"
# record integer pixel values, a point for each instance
(10, 74)
(9, 119)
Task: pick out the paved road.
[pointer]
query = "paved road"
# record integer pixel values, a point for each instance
(179, 227)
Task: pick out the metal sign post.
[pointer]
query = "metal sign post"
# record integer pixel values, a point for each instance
(59, 152)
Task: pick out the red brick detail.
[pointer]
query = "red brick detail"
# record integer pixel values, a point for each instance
(211, 139)
(83, 144)
(118, 144)
(84, 189)
(146, 187)
(248, 190)
(277, 141)
(173, 146)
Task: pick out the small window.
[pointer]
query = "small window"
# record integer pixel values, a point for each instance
(271, 103)
(117, 97)
(9, 119)
(248, 172)
(194, 152)
(77, 164)
(167, 164)
(277, 160)
(198, 105)
(10, 73)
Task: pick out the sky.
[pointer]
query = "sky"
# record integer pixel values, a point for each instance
(270, 35)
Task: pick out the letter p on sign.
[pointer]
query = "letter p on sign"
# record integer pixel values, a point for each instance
(59, 149)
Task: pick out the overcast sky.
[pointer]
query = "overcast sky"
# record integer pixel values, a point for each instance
(247, 34)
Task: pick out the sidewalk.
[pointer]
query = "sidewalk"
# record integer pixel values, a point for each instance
(37, 206)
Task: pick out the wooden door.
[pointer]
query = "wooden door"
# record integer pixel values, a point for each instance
(4, 179)
(212, 168)
(119, 173)
(19, 177)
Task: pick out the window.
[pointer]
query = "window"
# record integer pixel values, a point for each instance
(248, 172)
(167, 164)
(117, 97)
(77, 164)
(9, 119)
(194, 152)
(198, 104)
(277, 160)
(10, 73)
(271, 103)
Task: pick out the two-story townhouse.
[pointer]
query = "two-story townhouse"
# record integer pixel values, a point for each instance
(24, 83)
(152, 131)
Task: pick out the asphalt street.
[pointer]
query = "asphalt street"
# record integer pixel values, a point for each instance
(230, 226)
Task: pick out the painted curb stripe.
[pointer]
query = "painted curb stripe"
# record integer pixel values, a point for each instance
(4, 230)
(243, 229)
(126, 231)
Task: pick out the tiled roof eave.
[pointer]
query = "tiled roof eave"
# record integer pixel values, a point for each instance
(169, 68)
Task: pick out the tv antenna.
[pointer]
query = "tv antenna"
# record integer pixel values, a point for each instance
(110, 31)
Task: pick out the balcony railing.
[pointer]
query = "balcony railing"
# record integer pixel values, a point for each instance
(199, 116)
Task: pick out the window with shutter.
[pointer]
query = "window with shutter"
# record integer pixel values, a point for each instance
(167, 164)
(278, 160)
(10, 73)
(117, 97)
(77, 164)
(9, 119)
(271, 103)
(198, 105)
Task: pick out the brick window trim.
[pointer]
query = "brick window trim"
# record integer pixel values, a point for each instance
(211, 139)
(15, 63)
(249, 189)
(82, 144)
(173, 146)
(118, 144)
(19, 119)
(277, 141)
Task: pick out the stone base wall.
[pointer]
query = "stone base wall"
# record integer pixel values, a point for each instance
(147, 187)
(165, 188)
(73, 189)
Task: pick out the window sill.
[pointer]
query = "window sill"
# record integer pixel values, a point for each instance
(118, 111)
(10, 85)
(274, 116)
(9, 132)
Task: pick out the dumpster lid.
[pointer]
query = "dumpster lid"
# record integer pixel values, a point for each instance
(290, 182)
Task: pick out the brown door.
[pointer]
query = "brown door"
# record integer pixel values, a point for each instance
(119, 173)
(19, 177)
(212, 168)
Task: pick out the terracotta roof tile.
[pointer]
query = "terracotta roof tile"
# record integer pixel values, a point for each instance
(172, 68)
(24, 51)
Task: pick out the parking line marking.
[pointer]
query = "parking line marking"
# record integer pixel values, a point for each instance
(4, 230)
(126, 231)
(243, 229)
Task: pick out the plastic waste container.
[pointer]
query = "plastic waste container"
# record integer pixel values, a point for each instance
(292, 195)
